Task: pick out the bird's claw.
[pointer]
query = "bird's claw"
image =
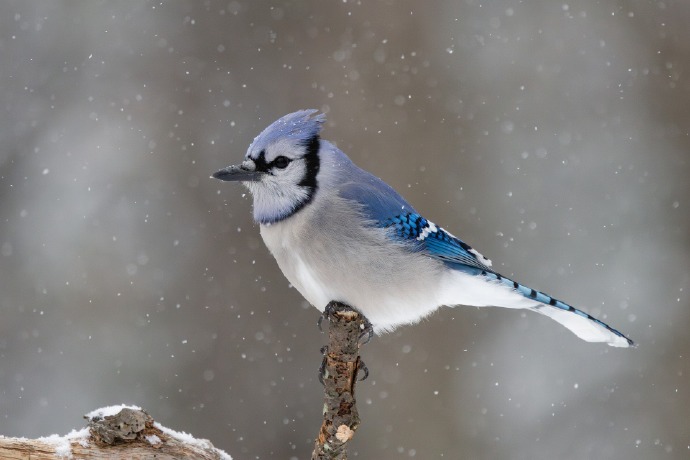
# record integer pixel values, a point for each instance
(362, 367)
(324, 315)
(367, 333)
(322, 367)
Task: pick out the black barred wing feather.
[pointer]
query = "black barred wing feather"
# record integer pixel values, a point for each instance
(436, 242)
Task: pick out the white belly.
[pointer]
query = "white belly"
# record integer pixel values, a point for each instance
(359, 267)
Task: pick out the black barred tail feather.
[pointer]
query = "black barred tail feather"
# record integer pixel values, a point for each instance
(580, 323)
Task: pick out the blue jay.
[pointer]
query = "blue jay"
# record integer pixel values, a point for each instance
(340, 233)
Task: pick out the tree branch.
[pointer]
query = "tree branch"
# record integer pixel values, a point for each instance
(341, 363)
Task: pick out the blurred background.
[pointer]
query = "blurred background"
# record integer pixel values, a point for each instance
(554, 137)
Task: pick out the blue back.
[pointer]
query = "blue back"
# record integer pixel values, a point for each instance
(384, 206)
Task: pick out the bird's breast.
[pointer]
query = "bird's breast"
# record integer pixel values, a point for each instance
(287, 245)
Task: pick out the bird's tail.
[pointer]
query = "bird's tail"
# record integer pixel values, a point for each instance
(580, 323)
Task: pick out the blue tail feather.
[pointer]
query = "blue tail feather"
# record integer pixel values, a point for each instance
(547, 300)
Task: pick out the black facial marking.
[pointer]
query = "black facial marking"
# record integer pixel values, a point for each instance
(312, 161)
(260, 162)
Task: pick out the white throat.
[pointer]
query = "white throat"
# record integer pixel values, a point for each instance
(273, 203)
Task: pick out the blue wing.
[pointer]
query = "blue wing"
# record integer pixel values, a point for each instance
(386, 208)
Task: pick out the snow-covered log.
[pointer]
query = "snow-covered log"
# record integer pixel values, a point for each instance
(113, 432)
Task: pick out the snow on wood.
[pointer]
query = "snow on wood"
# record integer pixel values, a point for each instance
(114, 432)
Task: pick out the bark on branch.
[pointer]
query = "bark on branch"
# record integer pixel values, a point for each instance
(341, 363)
(113, 433)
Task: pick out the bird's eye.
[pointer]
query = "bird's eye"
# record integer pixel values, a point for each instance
(281, 162)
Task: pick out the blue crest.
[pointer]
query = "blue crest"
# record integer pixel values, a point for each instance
(300, 126)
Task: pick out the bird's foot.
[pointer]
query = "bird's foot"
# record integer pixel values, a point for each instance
(367, 333)
(323, 372)
(330, 308)
(365, 370)
(367, 329)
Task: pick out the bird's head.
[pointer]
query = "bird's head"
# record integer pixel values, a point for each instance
(281, 166)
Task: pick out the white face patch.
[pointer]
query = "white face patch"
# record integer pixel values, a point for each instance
(276, 196)
(282, 191)
(288, 177)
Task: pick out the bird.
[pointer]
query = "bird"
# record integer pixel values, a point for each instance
(339, 233)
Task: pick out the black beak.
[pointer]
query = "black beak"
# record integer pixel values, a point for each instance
(239, 173)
